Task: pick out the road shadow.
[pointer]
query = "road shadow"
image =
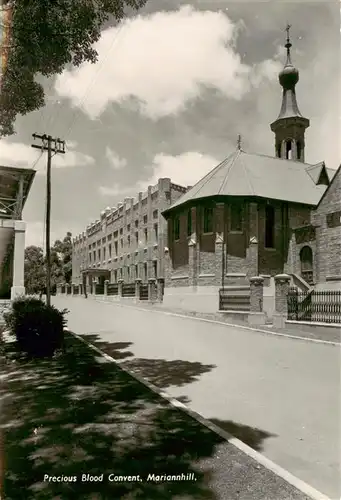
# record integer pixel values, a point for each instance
(249, 435)
(161, 372)
(80, 414)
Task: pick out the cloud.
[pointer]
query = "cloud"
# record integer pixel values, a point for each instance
(21, 155)
(185, 169)
(116, 163)
(164, 60)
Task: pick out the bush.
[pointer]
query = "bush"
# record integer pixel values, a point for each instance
(38, 328)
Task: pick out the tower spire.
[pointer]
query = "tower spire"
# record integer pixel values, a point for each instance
(290, 125)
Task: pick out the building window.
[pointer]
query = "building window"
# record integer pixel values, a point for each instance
(189, 222)
(136, 271)
(146, 235)
(99, 254)
(121, 230)
(115, 234)
(236, 217)
(89, 257)
(156, 232)
(110, 251)
(94, 255)
(145, 219)
(136, 223)
(145, 271)
(128, 274)
(269, 227)
(155, 268)
(128, 239)
(115, 276)
(137, 238)
(116, 248)
(128, 228)
(208, 220)
(155, 214)
(104, 252)
(333, 219)
(176, 227)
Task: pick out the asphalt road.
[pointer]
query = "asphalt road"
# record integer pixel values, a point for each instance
(286, 390)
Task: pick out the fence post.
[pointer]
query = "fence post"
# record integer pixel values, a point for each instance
(160, 287)
(120, 287)
(282, 285)
(256, 316)
(72, 289)
(106, 287)
(137, 289)
(151, 290)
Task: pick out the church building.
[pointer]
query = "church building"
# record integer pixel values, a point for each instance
(255, 215)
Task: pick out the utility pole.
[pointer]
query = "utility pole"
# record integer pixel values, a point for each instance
(55, 146)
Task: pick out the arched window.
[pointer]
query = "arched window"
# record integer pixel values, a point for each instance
(299, 150)
(288, 149)
(269, 227)
(306, 258)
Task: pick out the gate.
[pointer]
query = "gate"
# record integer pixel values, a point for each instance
(128, 290)
(112, 289)
(143, 292)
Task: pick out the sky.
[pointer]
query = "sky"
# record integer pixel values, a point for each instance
(173, 87)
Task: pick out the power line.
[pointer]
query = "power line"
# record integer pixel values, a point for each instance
(112, 45)
(51, 145)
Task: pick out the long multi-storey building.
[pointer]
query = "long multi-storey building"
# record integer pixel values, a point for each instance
(128, 241)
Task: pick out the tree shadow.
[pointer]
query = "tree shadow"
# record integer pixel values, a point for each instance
(249, 435)
(161, 372)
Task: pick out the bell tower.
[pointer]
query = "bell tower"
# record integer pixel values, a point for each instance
(290, 126)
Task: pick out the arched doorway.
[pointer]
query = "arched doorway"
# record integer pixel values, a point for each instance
(306, 259)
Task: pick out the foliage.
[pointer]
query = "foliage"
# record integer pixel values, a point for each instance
(46, 37)
(39, 329)
(61, 265)
(35, 269)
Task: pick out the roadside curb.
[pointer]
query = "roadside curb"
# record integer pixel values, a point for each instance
(297, 483)
(224, 323)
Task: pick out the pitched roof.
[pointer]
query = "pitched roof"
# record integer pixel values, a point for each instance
(255, 175)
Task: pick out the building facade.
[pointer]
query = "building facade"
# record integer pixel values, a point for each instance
(128, 241)
(253, 214)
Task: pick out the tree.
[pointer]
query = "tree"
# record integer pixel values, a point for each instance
(61, 257)
(35, 270)
(46, 37)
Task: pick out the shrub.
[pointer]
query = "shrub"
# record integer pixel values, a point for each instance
(38, 328)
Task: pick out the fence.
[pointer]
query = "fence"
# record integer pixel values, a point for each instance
(128, 290)
(112, 289)
(320, 306)
(143, 292)
(229, 301)
(75, 289)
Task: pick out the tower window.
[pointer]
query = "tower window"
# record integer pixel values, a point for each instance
(208, 220)
(269, 227)
(299, 150)
(288, 150)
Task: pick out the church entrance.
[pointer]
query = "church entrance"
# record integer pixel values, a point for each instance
(306, 259)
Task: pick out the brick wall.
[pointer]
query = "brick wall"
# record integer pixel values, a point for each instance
(328, 235)
(141, 217)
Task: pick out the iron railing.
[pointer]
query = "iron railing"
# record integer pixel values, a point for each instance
(128, 290)
(112, 289)
(322, 306)
(143, 292)
(229, 301)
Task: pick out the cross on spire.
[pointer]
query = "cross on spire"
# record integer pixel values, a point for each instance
(239, 142)
(288, 45)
